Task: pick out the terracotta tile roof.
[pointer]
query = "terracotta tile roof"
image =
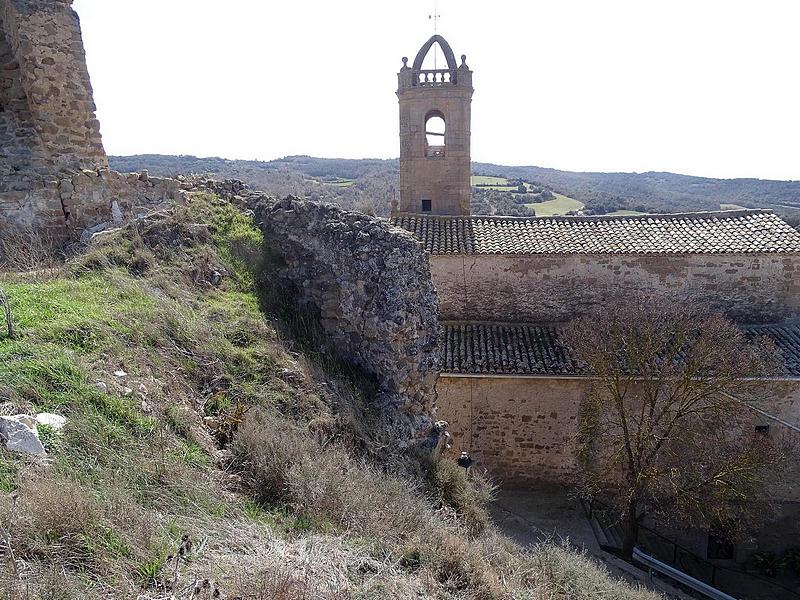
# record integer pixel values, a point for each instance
(530, 349)
(505, 349)
(724, 232)
(787, 339)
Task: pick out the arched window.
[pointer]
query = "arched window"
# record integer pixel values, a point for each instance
(434, 134)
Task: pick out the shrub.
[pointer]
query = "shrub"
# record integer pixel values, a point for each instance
(468, 496)
(266, 447)
(356, 497)
(53, 518)
(326, 485)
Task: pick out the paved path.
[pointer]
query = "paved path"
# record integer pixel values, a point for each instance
(550, 513)
(546, 513)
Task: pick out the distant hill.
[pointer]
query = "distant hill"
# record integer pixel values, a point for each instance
(665, 192)
(370, 185)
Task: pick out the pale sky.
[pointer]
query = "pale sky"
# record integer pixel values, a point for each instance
(703, 87)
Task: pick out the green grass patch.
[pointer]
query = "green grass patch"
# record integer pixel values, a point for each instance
(9, 465)
(340, 182)
(489, 180)
(625, 213)
(238, 242)
(81, 314)
(561, 205)
(497, 184)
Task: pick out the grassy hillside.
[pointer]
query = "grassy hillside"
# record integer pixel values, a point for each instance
(215, 449)
(375, 184)
(658, 192)
(560, 205)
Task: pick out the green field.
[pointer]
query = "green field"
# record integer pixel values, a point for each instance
(731, 207)
(489, 180)
(625, 213)
(335, 182)
(498, 184)
(560, 206)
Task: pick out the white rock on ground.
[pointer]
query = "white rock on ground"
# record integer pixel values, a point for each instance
(18, 433)
(57, 422)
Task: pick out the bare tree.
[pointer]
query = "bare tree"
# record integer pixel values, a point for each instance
(663, 432)
(5, 305)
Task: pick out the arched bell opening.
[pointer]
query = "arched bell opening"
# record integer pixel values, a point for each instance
(435, 134)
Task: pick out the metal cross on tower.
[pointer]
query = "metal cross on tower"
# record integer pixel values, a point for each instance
(435, 16)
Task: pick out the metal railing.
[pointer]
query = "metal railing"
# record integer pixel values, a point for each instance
(679, 576)
(746, 585)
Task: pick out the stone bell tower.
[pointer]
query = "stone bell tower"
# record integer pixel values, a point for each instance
(435, 134)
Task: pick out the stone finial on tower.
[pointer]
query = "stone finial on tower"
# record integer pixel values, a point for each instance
(435, 133)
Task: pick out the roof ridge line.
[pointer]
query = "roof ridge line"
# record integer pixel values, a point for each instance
(456, 322)
(705, 214)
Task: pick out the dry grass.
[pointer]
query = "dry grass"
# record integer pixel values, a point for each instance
(301, 510)
(469, 497)
(31, 253)
(436, 537)
(325, 485)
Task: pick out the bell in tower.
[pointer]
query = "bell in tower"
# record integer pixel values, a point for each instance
(434, 134)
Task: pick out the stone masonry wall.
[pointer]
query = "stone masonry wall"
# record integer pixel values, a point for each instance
(49, 67)
(20, 146)
(545, 289)
(72, 202)
(53, 169)
(522, 429)
(371, 287)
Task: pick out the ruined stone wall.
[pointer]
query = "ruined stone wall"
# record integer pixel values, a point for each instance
(522, 429)
(371, 287)
(68, 204)
(53, 168)
(45, 66)
(749, 288)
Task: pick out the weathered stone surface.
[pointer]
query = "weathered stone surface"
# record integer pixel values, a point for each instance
(49, 123)
(18, 433)
(54, 175)
(523, 430)
(754, 288)
(83, 200)
(371, 287)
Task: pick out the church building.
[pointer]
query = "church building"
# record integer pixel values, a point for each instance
(509, 389)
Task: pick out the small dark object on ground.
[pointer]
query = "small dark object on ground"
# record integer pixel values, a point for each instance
(464, 461)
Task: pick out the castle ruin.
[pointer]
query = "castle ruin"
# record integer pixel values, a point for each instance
(54, 174)
(507, 386)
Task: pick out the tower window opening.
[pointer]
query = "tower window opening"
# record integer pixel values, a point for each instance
(426, 206)
(435, 134)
